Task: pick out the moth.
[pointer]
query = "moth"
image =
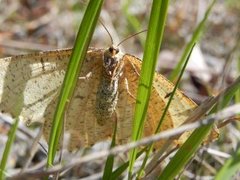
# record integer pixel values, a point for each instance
(30, 86)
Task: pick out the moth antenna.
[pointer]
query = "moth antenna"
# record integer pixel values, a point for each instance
(131, 36)
(107, 31)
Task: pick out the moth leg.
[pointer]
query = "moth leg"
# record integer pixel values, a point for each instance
(127, 88)
(134, 68)
(87, 77)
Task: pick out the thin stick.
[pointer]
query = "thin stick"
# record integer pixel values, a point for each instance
(226, 113)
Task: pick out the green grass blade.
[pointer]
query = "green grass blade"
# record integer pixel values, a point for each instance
(175, 88)
(135, 24)
(227, 96)
(194, 39)
(110, 160)
(188, 149)
(117, 172)
(237, 96)
(7, 149)
(184, 154)
(84, 35)
(165, 111)
(151, 51)
(230, 167)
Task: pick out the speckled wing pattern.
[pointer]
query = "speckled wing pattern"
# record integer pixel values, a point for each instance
(30, 85)
(180, 106)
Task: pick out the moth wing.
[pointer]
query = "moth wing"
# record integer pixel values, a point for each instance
(80, 120)
(30, 86)
(126, 103)
(28, 83)
(181, 106)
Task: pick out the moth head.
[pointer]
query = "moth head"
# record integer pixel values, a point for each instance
(113, 50)
(111, 60)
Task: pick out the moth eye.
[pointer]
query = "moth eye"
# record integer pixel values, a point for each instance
(110, 49)
(117, 51)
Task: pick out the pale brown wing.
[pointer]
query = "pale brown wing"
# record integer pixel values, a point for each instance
(179, 109)
(181, 106)
(30, 86)
(28, 83)
(80, 120)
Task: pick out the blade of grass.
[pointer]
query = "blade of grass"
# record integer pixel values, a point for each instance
(165, 112)
(117, 172)
(230, 167)
(223, 102)
(237, 96)
(194, 39)
(187, 150)
(151, 51)
(7, 149)
(84, 35)
(185, 153)
(135, 24)
(110, 160)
